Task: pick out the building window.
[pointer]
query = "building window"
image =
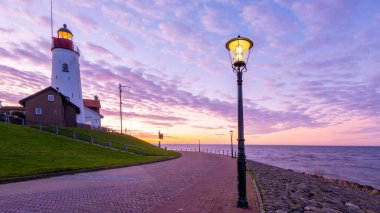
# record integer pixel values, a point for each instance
(65, 67)
(38, 111)
(50, 97)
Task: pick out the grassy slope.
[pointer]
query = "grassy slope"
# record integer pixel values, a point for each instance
(25, 151)
(126, 139)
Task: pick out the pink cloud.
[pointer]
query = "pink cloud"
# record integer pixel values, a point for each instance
(99, 50)
(215, 21)
(264, 18)
(6, 30)
(16, 84)
(122, 41)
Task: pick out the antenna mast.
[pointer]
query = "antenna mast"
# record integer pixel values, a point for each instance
(51, 17)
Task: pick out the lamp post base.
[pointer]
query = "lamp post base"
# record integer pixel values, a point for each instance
(242, 204)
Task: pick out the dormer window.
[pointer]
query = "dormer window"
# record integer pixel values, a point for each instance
(65, 67)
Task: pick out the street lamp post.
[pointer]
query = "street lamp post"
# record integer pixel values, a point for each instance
(239, 49)
(121, 111)
(199, 145)
(232, 148)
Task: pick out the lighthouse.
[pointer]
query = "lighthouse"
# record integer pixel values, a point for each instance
(65, 76)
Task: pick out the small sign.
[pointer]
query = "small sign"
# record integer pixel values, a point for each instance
(160, 135)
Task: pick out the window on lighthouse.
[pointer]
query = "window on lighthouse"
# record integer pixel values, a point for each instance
(65, 67)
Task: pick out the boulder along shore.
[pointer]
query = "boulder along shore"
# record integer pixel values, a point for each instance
(284, 190)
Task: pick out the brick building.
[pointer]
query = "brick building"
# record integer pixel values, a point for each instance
(12, 110)
(50, 107)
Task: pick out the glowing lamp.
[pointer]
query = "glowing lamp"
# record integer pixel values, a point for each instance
(239, 49)
(65, 33)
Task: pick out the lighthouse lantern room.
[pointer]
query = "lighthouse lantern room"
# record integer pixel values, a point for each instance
(65, 69)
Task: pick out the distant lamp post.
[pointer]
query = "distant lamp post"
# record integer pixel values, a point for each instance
(232, 148)
(239, 49)
(121, 110)
(199, 145)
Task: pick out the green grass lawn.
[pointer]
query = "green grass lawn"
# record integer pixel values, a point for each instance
(125, 139)
(26, 151)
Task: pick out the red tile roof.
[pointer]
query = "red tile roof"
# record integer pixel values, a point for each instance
(91, 103)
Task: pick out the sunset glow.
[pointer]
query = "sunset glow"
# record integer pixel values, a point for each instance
(313, 73)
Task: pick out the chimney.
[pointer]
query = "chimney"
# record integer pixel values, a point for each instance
(96, 97)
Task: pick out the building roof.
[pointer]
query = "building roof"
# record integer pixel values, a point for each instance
(64, 98)
(11, 108)
(90, 103)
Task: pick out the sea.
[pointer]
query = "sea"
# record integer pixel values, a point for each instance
(359, 164)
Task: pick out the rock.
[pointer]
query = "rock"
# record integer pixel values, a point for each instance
(330, 210)
(311, 208)
(351, 205)
(352, 210)
(303, 186)
(369, 211)
(287, 191)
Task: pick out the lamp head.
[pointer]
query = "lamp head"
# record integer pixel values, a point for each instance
(239, 49)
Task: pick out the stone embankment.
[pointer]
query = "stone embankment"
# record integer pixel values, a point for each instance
(284, 191)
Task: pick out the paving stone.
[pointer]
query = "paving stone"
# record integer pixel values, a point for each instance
(196, 182)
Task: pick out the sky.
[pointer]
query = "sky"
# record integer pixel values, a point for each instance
(313, 75)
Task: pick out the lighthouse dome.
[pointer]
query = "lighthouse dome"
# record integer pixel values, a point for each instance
(64, 33)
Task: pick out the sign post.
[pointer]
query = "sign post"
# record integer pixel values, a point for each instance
(160, 137)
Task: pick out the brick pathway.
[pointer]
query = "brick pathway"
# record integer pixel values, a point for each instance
(196, 182)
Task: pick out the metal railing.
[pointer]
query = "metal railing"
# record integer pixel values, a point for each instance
(62, 131)
(206, 150)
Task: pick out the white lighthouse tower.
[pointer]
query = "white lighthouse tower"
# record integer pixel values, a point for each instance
(65, 76)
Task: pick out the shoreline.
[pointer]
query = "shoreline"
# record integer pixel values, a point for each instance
(285, 190)
(354, 185)
(365, 188)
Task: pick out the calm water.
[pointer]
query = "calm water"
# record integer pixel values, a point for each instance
(356, 164)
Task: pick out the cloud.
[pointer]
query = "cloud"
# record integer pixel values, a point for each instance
(122, 41)
(264, 18)
(318, 15)
(7, 30)
(16, 84)
(149, 94)
(100, 50)
(85, 22)
(154, 117)
(208, 127)
(215, 21)
(159, 124)
(5, 53)
(315, 63)
(32, 52)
